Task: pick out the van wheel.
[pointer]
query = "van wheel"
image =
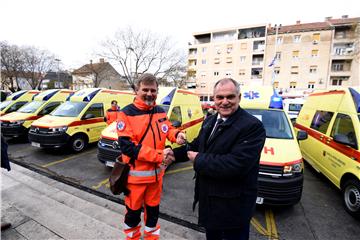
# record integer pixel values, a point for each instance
(351, 197)
(77, 143)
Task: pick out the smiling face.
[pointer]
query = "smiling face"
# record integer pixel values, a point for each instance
(147, 93)
(226, 99)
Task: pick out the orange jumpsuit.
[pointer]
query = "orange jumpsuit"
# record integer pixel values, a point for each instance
(145, 176)
(112, 114)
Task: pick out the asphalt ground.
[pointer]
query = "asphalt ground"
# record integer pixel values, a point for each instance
(319, 214)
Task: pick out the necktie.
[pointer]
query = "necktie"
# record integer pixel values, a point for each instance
(216, 128)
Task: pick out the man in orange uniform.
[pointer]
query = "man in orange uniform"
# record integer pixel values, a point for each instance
(112, 113)
(142, 128)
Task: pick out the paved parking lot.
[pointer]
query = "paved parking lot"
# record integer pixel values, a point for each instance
(319, 215)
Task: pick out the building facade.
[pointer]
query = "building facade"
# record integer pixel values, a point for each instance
(301, 56)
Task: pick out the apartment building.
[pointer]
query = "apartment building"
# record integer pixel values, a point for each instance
(300, 56)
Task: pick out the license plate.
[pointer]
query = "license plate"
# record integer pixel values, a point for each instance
(35, 144)
(259, 200)
(109, 164)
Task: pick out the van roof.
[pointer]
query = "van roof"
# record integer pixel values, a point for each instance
(18, 94)
(260, 97)
(87, 94)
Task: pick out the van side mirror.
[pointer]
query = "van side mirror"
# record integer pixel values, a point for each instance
(343, 139)
(88, 116)
(301, 135)
(176, 123)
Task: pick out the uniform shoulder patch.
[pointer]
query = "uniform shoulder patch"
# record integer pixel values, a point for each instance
(164, 128)
(121, 125)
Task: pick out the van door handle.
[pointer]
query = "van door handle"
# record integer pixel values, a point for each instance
(328, 141)
(321, 137)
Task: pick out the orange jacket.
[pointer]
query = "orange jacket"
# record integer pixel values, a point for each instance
(111, 115)
(132, 123)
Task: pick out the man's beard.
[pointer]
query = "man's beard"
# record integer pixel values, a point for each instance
(149, 101)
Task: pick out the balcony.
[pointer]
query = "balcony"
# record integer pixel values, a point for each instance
(257, 63)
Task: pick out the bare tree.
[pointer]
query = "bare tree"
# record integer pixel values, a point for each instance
(178, 76)
(99, 72)
(140, 52)
(356, 29)
(37, 63)
(12, 65)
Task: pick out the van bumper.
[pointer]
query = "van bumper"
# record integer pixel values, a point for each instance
(280, 191)
(49, 140)
(107, 154)
(13, 131)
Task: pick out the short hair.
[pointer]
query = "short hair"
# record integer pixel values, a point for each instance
(227, 80)
(113, 101)
(146, 78)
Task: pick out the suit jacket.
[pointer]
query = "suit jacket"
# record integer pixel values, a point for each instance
(227, 170)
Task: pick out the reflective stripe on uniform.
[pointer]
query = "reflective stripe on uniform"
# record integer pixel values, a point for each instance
(150, 173)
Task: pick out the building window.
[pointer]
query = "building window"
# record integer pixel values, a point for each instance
(311, 85)
(243, 45)
(229, 48)
(229, 59)
(216, 60)
(292, 84)
(203, 50)
(294, 69)
(314, 53)
(202, 85)
(242, 59)
(216, 73)
(316, 38)
(278, 56)
(337, 67)
(203, 61)
(242, 72)
(217, 50)
(295, 54)
(228, 73)
(336, 82)
(203, 74)
(297, 38)
(313, 69)
(276, 70)
(279, 40)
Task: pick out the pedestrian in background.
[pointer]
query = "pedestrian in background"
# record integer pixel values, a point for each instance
(112, 113)
(5, 163)
(142, 129)
(226, 157)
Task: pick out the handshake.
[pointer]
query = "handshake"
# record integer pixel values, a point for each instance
(169, 156)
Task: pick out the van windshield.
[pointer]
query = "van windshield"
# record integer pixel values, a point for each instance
(31, 107)
(69, 109)
(3, 105)
(275, 122)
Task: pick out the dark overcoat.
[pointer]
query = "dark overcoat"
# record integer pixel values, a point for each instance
(227, 170)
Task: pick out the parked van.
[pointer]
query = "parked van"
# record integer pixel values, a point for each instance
(292, 107)
(17, 100)
(183, 110)
(78, 121)
(18, 123)
(331, 119)
(281, 164)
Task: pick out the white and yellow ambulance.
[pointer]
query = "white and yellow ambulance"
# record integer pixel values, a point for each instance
(17, 100)
(78, 121)
(18, 123)
(332, 120)
(183, 109)
(281, 163)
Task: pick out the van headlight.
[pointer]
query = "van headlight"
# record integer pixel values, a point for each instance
(58, 129)
(17, 123)
(296, 167)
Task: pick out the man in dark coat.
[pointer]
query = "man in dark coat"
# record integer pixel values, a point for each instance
(226, 161)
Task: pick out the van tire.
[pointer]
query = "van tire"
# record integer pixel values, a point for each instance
(351, 197)
(78, 143)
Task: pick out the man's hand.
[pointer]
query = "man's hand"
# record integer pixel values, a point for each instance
(168, 156)
(192, 155)
(181, 138)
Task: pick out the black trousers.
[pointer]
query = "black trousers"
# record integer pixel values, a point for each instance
(228, 234)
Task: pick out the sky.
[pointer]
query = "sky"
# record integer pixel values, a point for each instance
(74, 29)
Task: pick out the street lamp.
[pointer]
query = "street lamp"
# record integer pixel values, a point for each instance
(58, 71)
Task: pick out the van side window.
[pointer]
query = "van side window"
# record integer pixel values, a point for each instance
(49, 108)
(176, 114)
(344, 126)
(321, 121)
(15, 107)
(97, 109)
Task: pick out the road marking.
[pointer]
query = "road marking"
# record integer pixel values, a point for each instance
(104, 182)
(65, 159)
(256, 224)
(178, 170)
(270, 224)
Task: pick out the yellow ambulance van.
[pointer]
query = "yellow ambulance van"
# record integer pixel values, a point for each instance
(183, 109)
(16, 101)
(281, 163)
(78, 121)
(18, 123)
(331, 119)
